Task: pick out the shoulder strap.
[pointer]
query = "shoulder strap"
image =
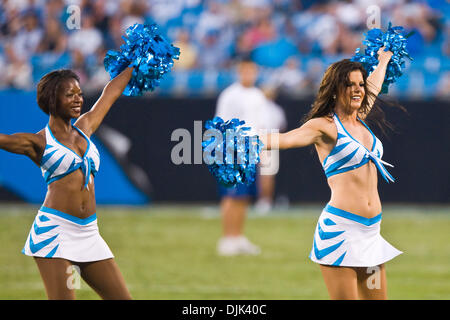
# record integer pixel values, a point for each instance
(339, 126)
(48, 136)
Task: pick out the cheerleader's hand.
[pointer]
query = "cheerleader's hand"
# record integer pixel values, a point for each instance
(384, 56)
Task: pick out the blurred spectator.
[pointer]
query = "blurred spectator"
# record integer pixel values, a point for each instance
(9, 20)
(213, 20)
(25, 43)
(273, 54)
(162, 10)
(214, 53)
(275, 119)
(300, 21)
(19, 51)
(348, 41)
(113, 39)
(101, 16)
(314, 70)
(259, 33)
(323, 32)
(319, 28)
(188, 56)
(54, 39)
(241, 48)
(242, 100)
(134, 12)
(88, 39)
(98, 76)
(256, 10)
(416, 17)
(446, 42)
(262, 32)
(3, 66)
(54, 9)
(443, 87)
(215, 34)
(289, 79)
(77, 64)
(16, 5)
(349, 14)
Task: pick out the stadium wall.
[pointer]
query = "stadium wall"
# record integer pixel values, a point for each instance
(136, 137)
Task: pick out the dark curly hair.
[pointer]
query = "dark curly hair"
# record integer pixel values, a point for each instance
(48, 89)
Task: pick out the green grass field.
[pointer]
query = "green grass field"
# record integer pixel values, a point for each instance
(168, 252)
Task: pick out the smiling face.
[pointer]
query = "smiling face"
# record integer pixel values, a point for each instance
(352, 92)
(70, 99)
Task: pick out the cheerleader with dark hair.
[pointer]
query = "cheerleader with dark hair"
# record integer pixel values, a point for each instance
(65, 230)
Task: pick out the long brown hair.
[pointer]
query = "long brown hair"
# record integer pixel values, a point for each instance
(332, 87)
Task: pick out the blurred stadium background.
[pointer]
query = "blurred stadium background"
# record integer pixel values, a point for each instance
(171, 210)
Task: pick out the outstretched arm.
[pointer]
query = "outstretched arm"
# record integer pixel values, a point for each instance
(309, 133)
(29, 144)
(91, 120)
(376, 78)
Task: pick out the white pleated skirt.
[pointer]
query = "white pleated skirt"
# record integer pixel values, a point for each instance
(349, 240)
(55, 234)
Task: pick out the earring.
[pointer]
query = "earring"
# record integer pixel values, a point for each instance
(334, 97)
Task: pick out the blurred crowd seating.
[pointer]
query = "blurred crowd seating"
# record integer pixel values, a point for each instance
(292, 40)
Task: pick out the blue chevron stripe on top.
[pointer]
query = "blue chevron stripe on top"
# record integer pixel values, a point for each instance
(47, 156)
(349, 154)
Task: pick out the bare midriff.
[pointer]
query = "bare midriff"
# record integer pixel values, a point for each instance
(69, 195)
(356, 191)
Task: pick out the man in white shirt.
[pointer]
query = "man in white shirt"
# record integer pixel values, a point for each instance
(275, 119)
(244, 101)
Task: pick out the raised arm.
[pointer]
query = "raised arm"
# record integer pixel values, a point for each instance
(91, 120)
(376, 78)
(309, 133)
(29, 144)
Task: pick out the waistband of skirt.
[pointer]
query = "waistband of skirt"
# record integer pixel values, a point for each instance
(70, 217)
(352, 216)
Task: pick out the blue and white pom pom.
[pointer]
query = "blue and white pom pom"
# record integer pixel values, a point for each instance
(148, 52)
(395, 42)
(244, 151)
